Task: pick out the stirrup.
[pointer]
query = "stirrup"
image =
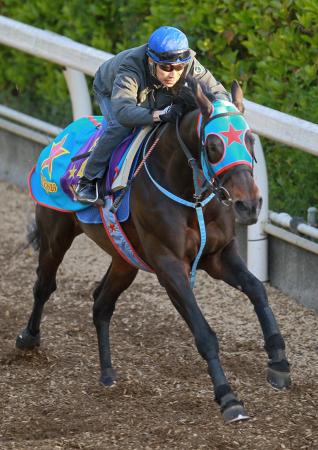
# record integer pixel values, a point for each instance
(97, 201)
(96, 191)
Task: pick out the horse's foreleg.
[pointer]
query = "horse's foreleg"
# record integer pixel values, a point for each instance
(55, 239)
(119, 277)
(232, 270)
(173, 277)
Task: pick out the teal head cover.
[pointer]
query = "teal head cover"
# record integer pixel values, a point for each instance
(230, 126)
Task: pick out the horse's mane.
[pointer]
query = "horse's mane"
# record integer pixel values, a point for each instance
(186, 94)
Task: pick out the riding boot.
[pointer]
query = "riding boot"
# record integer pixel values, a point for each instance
(97, 164)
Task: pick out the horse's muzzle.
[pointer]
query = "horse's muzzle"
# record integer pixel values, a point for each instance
(247, 211)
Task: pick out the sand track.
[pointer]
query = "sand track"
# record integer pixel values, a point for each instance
(51, 399)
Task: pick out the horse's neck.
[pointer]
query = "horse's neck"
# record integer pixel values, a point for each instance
(171, 162)
(189, 132)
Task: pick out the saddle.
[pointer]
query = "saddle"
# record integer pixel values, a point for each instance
(123, 169)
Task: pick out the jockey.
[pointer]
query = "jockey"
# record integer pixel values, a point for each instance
(137, 87)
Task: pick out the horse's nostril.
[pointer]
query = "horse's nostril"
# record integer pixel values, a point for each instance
(260, 203)
(247, 211)
(241, 206)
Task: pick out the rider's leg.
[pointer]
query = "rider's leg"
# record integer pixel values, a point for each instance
(97, 163)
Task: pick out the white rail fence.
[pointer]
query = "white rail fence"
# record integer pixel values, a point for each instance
(79, 59)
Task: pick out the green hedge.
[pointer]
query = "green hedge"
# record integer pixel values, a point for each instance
(270, 46)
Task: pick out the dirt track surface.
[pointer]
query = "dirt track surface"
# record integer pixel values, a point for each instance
(50, 399)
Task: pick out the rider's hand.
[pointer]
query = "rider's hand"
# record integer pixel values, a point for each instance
(171, 113)
(156, 114)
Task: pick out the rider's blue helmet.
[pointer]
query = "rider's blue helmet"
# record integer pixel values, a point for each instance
(168, 45)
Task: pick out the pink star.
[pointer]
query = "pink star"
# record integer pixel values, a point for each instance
(56, 150)
(232, 135)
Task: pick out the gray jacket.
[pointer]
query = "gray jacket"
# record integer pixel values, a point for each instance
(135, 93)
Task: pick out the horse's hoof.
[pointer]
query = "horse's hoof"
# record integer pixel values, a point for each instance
(108, 377)
(26, 341)
(234, 413)
(278, 379)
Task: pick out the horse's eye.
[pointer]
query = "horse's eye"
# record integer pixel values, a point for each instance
(215, 148)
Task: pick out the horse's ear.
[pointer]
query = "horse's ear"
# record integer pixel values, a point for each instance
(237, 96)
(202, 100)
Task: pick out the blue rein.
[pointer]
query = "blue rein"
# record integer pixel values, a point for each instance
(211, 178)
(197, 205)
(198, 208)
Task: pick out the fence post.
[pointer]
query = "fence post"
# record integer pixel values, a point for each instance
(257, 240)
(80, 98)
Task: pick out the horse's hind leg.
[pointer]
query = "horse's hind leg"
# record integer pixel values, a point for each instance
(56, 234)
(119, 277)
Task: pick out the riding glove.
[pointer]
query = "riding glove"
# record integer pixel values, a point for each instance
(171, 113)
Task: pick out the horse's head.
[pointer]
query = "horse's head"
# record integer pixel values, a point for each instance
(227, 155)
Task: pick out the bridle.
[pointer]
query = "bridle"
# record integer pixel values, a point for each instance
(203, 193)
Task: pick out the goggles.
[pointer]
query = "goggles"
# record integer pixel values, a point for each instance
(171, 67)
(181, 56)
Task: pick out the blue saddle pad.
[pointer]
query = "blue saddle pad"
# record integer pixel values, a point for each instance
(53, 179)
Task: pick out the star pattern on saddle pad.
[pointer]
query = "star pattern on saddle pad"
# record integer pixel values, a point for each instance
(232, 135)
(56, 151)
(72, 171)
(112, 228)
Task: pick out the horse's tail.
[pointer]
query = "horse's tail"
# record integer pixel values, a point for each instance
(33, 235)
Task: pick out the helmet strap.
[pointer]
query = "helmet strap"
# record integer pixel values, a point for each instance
(152, 68)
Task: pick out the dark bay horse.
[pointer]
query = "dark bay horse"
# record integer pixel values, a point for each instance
(166, 235)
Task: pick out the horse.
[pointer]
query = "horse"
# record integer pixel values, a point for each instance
(168, 236)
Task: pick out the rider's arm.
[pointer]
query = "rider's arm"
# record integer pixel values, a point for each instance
(124, 102)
